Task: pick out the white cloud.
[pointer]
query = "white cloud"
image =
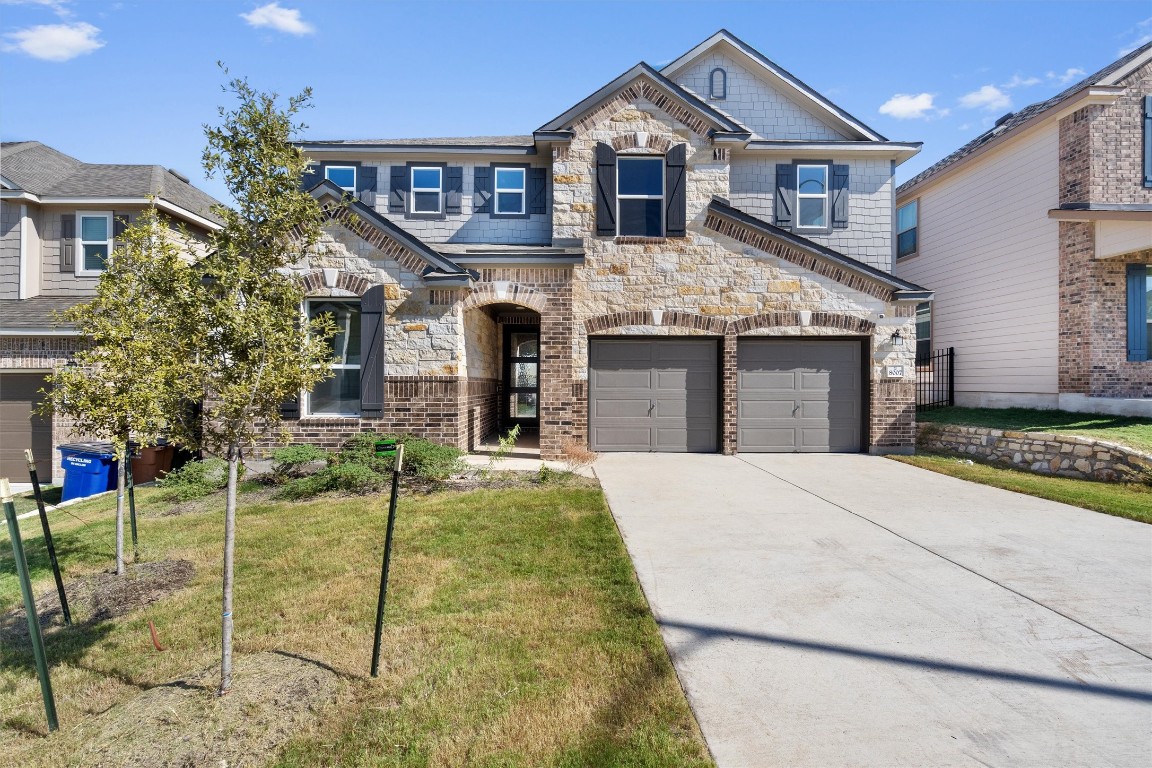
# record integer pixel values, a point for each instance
(1143, 32)
(1021, 82)
(1067, 76)
(987, 97)
(55, 42)
(906, 106)
(280, 19)
(58, 7)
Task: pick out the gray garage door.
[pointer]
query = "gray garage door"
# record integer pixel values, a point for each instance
(20, 429)
(653, 395)
(799, 395)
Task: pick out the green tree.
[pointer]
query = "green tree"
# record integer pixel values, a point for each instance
(131, 381)
(254, 350)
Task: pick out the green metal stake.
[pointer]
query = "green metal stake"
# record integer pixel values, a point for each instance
(131, 483)
(29, 604)
(48, 536)
(387, 560)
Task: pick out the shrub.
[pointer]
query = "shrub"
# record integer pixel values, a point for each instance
(354, 479)
(195, 479)
(289, 462)
(429, 461)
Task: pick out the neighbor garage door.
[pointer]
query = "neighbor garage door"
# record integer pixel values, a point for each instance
(799, 395)
(653, 395)
(20, 428)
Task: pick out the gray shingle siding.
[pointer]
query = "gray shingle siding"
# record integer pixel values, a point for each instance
(9, 250)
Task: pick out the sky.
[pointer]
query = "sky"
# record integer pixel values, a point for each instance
(135, 81)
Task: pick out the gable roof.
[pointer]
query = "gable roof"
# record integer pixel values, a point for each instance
(808, 97)
(1108, 76)
(49, 174)
(720, 122)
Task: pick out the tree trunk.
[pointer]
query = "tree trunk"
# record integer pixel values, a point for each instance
(121, 485)
(229, 552)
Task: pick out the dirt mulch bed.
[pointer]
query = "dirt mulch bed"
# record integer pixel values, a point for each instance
(102, 596)
(184, 723)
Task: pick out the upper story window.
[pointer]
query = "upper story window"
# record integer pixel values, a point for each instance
(343, 176)
(1139, 312)
(812, 196)
(640, 196)
(907, 219)
(510, 190)
(427, 184)
(718, 84)
(339, 395)
(95, 228)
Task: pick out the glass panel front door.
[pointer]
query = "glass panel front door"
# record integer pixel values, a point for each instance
(521, 377)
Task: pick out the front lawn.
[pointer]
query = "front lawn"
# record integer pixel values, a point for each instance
(1125, 430)
(516, 632)
(1131, 500)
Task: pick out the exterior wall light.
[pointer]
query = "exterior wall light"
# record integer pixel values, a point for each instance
(897, 339)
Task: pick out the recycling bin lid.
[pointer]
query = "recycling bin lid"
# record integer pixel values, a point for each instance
(100, 449)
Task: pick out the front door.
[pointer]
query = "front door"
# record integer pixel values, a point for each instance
(521, 401)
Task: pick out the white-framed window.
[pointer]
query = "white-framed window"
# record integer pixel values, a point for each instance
(812, 196)
(340, 394)
(510, 187)
(94, 229)
(640, 196)
(427, 185)
(343, 176)
(907, 226)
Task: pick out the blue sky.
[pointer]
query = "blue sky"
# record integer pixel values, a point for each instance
(134, 81)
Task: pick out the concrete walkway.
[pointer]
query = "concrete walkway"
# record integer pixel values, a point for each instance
(846, 610)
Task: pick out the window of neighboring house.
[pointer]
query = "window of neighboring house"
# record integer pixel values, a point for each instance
(923, 333)
(95, 229)
(1139, 312)
(340, 394)
(343, 176)
(427, 183)
(510, 186)
(907, 218)
(812, 196)
(640, 196)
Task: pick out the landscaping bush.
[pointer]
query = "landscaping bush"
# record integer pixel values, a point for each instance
(429, 461)
(289, 462)
(355, 479)
(195, 479)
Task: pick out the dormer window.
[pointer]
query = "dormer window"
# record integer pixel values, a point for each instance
(718, 84)
(343, 176)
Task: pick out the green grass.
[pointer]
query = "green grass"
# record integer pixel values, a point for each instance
(516, 631)
(1131, 500)
(1126, 430)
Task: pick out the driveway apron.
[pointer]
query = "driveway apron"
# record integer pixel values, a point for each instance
(846, 610)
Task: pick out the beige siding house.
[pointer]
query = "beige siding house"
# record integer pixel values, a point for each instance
(1036, 238)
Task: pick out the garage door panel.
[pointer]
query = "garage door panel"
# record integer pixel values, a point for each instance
(680, 379)
(20, 428)
(799, 395)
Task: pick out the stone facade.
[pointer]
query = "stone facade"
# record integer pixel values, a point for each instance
(1100, 162)
(1040, 452)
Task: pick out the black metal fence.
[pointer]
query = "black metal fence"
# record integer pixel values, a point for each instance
(936, 379)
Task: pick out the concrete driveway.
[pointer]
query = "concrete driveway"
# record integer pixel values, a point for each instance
(847, 610)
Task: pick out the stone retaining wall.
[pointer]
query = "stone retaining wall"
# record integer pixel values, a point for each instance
(1040, 452)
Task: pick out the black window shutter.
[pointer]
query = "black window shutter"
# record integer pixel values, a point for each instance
(68, 242)
(398, 189)
(119, 224)
(1148, 141)
(290, 409)
(366, 185)
(482, 189)
(840, 197)
(605, 190)
(1137, 312)
(453, 188)
(785, 194)
(372, 311)
(676, 202)
(538, 190)
(313, 175)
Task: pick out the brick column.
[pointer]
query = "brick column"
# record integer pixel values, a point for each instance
(557, 422)
(728, 382)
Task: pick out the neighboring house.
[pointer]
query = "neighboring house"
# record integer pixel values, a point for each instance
(692, 258)
(1037, 239)
(59, 220)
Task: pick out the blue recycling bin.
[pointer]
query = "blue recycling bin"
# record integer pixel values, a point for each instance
(89, 468)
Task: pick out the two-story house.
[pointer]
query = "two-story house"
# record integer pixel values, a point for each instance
(59, 220)
(692, 258)
(1037, 238)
